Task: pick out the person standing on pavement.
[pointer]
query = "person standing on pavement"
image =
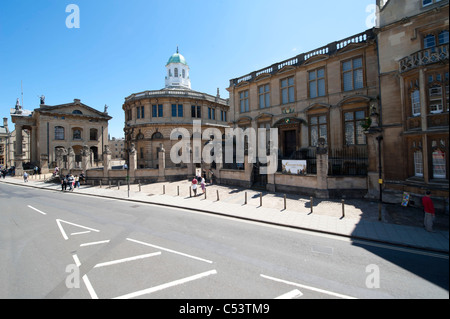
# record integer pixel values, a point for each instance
(429, 211)
(25, 177)
(202, 184)
(194, 186)
(71, 181)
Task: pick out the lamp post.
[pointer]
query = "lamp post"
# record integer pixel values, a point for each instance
(380, 178)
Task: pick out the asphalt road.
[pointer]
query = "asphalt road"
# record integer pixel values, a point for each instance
(69, 246)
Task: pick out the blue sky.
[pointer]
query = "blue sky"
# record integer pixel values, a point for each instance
(121, 47)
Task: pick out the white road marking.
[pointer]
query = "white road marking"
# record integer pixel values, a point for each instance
(80, 233)
(167, 285)
(37, 210)
(59, 221)
(291, 295)
(170, 250)
(118, 261)
(309, 288)
(86, 279)
(95, 243)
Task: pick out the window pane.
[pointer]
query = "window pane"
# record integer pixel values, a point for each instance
(429, 41)
(358, 78)
(174, 110)
(180, 110)
(348, 81)
(291, 95)
(323, 131)
(291, 81)
(360, 115)
(346, 66)
(348, 116)
(312, 89)
(283, 83)
(443, 37)
(321, 88)
(199, 111)
(192, 110)
(154, 111)
(349, 133)
(261, 101)
(321, 73)
(312, 75)
(360, 136)
(267, 99)
(314, 136)
(284, 96)
(323, 119)
(418, 164)
(415, 102)
(439, 170)
(357, 63)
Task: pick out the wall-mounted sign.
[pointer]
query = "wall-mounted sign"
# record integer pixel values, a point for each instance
(294, 167)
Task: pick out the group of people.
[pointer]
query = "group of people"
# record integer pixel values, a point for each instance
(196, 182)
(70, 181)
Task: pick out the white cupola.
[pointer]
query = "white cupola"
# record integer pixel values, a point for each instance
(177, 76)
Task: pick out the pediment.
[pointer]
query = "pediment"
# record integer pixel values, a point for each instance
(316, 58)
(351, 46)
(74, 109)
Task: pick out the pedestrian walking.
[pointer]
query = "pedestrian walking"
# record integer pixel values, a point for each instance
(77, 181)
(63, 183)
(429, 212)
(71, 181)
(202, 184)
(25, 177)
(194, 186)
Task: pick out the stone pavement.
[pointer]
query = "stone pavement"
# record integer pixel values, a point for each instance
(353, 218)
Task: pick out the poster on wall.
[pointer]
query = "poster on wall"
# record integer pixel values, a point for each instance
(294, 167)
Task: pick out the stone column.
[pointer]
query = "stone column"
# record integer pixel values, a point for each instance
(44, 163)
(248, 172)
(106, 161)
(161, 164)
(322, 170)
(70, 159)
(132, 165)
(60, 158)
(33, 145)
(85, 159)
(18, 151)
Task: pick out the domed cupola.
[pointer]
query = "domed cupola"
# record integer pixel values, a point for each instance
(177, 72)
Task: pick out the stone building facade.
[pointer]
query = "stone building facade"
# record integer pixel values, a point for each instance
(325, 96)
(4, 143)
(413, 40)
(59, 133)
(151, 116)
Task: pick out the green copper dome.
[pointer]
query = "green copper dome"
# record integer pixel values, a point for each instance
(177, 58)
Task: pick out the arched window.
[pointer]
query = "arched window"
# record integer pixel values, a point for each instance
(77, 112)
(157, 136)
(59, 133)
(176, 72)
